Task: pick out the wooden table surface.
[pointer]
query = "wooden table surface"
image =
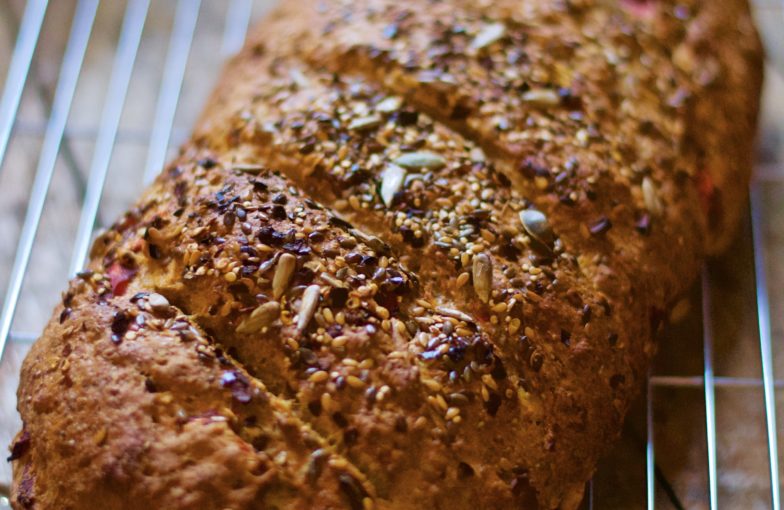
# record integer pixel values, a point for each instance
(620, 481)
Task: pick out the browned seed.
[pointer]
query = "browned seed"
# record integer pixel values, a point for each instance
(514, 326)
(680, 311)
(262, 316)
(483, 276)
(331, 280)
(489, 381)
(499, 307)
(318, 377)
(651, 197)
(310, 299)
(248, 168)
(455, 314)
(99, 437)
(158, 236)
(283, 273)
(541, 97)
(355, 382)
(373, 242)
(432, 384)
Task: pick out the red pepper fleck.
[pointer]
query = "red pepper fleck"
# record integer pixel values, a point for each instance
(137, 245)
(126, 222)
(119, 276)
(709, 198)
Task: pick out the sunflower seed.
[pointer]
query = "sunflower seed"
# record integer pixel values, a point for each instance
(455, 314)
(365, 123)
(389, 105)
(331, 280)
(541, 97)
(536, 225)
(488, 35)
(283, 272)
(374, 243)
(421, 160)
(391, 181)
(483, 276)
(310, 299)
(262, 316)
(651, 197)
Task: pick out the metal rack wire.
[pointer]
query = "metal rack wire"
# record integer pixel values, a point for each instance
(107, 133)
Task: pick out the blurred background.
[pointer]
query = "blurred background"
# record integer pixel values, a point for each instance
(181, 47)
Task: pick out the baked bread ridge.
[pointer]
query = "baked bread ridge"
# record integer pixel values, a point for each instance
(695, 54)
(427, 379)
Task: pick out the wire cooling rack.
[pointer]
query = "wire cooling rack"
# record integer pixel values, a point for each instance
(54, 123)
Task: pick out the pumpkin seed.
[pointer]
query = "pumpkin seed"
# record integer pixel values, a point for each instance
(391, 181)
(365, 123)
(158, 303)
(536, 225)
(262, 316)
(389, 105)
(483, 276)
(421, 160)
(650, 196)
(310, 299)
(488, 35)
(541, 97)
(283, 273)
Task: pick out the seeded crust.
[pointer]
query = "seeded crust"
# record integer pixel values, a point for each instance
(414, 256)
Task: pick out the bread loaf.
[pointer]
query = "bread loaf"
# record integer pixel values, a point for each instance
(413, 257)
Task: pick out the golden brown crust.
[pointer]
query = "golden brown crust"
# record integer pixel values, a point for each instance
(445, 299)
(142, 409)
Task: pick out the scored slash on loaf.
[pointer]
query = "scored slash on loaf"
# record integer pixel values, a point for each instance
(414, 256)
